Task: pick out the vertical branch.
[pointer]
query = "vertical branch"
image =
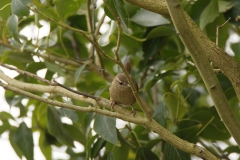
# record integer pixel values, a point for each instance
(100, 22)
(92, 8)
(88, 17)
(119, 39)
(119, 31)
(98, 59)
(206, 72)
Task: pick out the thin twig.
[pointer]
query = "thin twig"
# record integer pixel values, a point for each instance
(5, 6)
(217, 35)
(217, 29)
(74, 91)
(98, 58)
(88, 15)
(215, 70)
(83, 33)
(100, 22)
(75, 46)
(119, 39)
(28, 74)
(62, 44)
(143, 77)
(119, 30)
(55, 83)
(109, 77)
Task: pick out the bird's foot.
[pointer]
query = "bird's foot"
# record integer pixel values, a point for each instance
(133, 111)
(112, 105)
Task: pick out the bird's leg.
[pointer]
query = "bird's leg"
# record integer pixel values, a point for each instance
(133, 111)
(112, 104)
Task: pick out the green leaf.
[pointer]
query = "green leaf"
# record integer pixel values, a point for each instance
(189, 133)
(12, 24)
(5, 126)
(192, 96)
(19, 7)
(209, 14)
(56, 128)
(75, 132)
(151, 47)
(236, 50)
(119, 10)
(170, 153)
(45, 146)
(105, 38)
(232, 149)
(223, 32)
(144, 153)
(35, 66)
(155, 77)
(13, 144)
(48, 11)
(224, 6)
(106, 127)
(79, 71)
(149, 19)
(160, 32)
(150, 144)
(24, 140)
(16, 102)
(97, 147)
(211, 125)
(176, 110)
(230, 93)
(71, 114)
(87, 121)
(123, 151)
(5, 116)
(109, 156)
(10, 56)
(89, 146)
(54, 68)
(161, 113)
(67, 8)
(233, 12)
(39, 117)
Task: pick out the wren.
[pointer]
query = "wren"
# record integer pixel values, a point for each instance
(120, 90)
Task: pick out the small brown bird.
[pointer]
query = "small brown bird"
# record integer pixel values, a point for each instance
(120, 90)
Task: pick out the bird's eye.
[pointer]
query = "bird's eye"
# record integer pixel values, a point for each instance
(120, 82)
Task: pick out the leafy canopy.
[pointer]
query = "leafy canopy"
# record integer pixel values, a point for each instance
(170, 86)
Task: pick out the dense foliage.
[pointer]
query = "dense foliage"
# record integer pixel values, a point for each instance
(168, 84)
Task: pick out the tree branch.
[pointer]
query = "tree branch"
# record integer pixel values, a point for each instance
(202, 63)
(229, 66)
(129, 79)
(121, 113)
(104, 74)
